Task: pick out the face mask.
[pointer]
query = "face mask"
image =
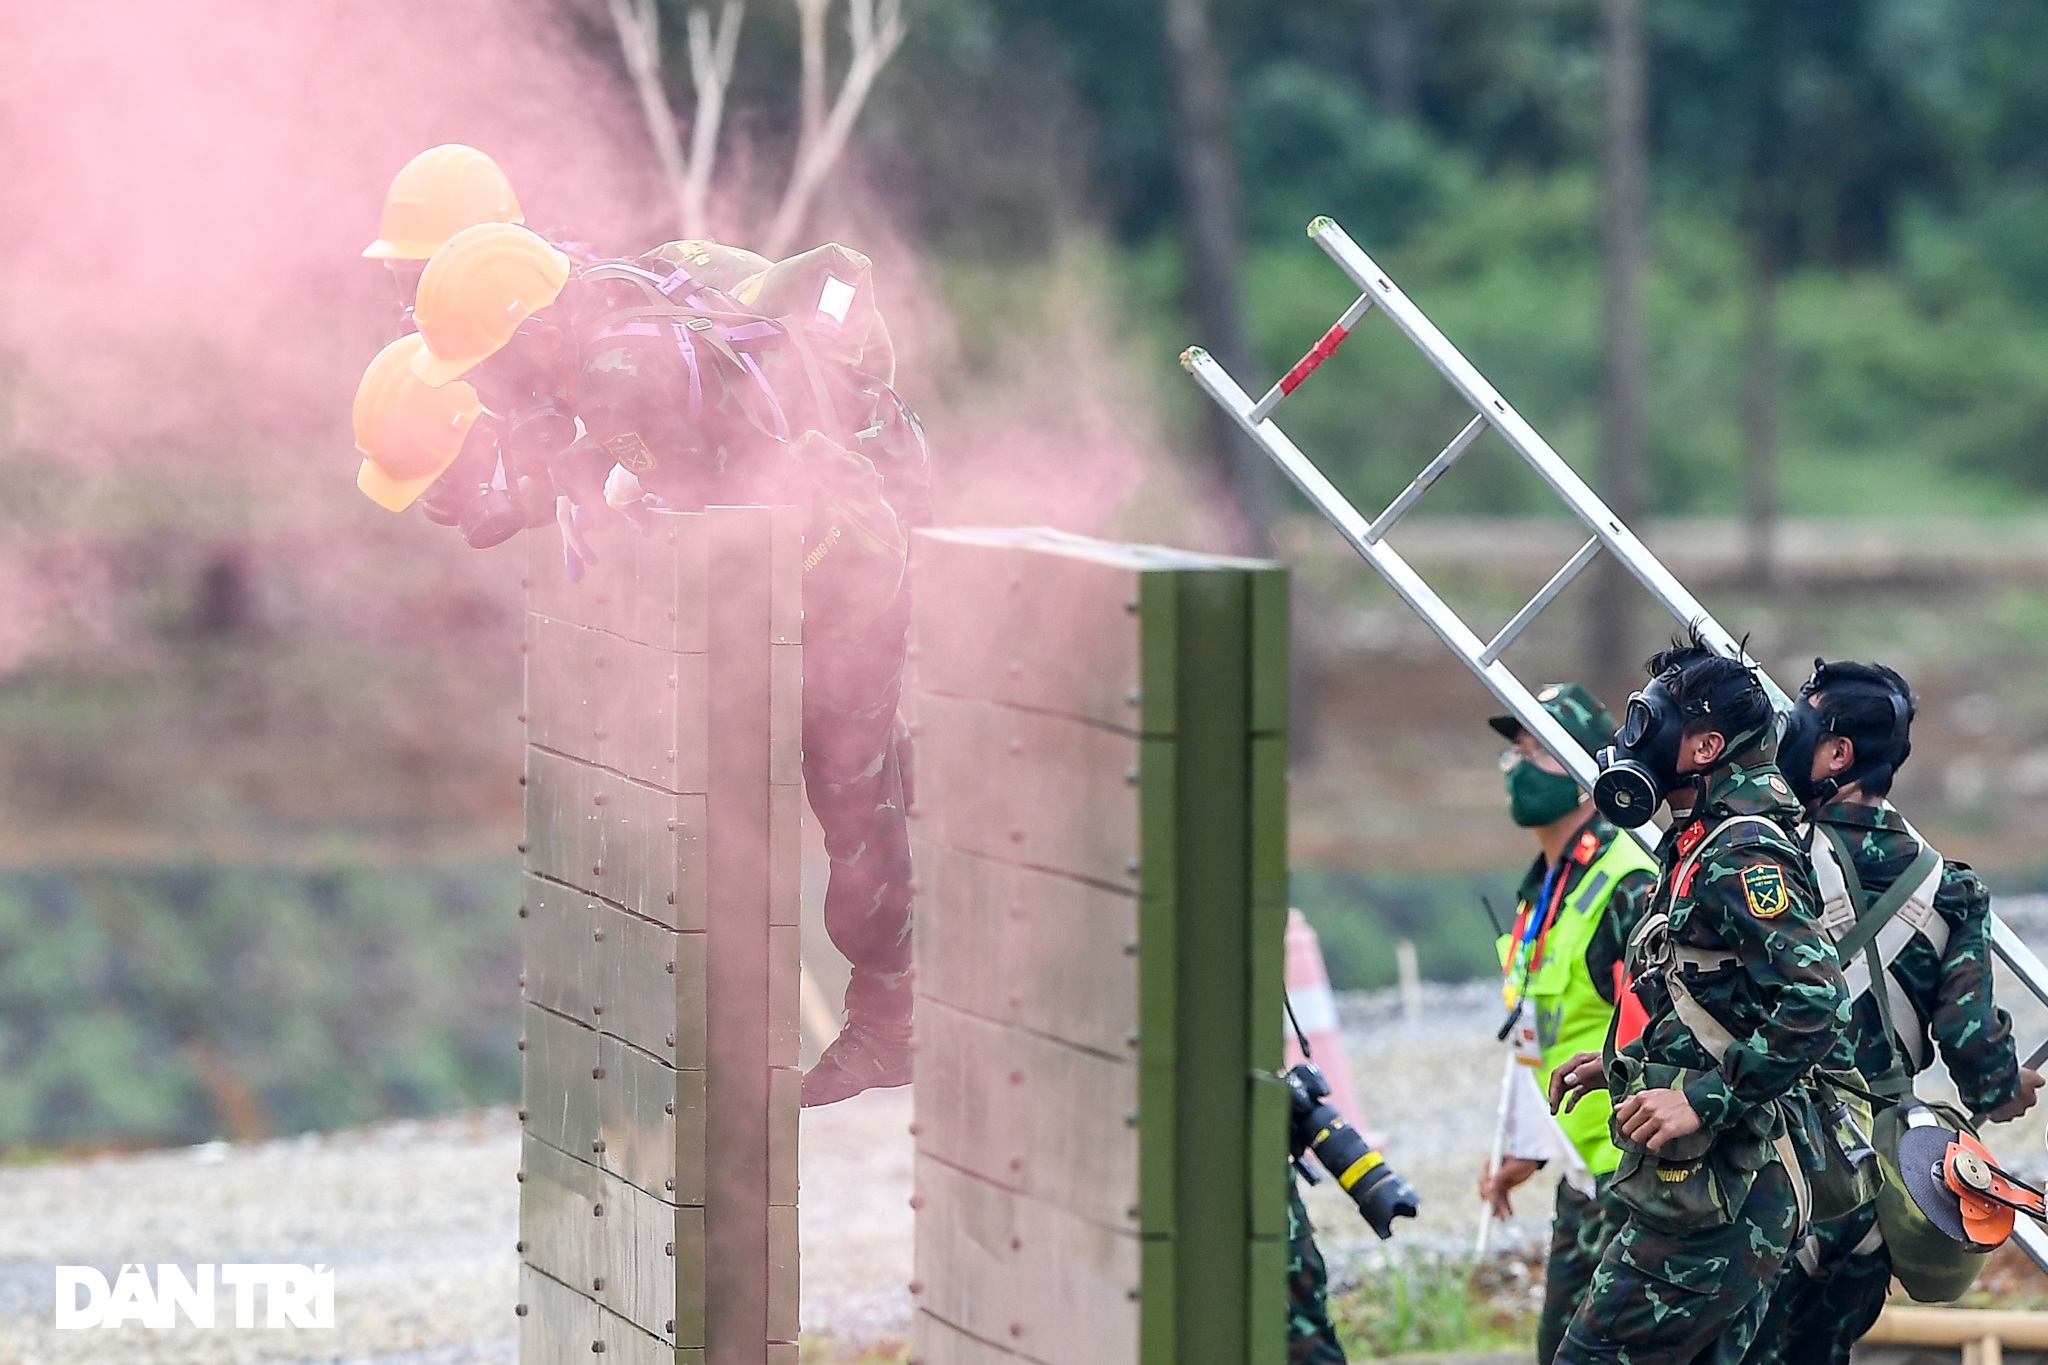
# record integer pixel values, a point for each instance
(1639, 769)
(1803, 729)
(1537, 798)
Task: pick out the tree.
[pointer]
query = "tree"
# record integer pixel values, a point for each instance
(1624, 214)
(1210, 213)
(1808, 121)
(875, 29)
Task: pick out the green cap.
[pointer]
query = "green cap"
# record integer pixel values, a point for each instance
(1575, 708)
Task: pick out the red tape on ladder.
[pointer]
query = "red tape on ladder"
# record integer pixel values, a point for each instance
(1317, 354)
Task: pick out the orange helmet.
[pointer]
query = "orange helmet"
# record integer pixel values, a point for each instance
(439, 193)
(407, 432)
(478, 288)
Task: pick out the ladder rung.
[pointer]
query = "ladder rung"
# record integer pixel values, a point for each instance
(1557, 584)
(1306, 366)
(1412, 494)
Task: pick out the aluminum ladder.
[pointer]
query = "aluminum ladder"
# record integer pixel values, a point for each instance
(1483, 656)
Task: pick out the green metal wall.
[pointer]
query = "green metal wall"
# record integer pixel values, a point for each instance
(1101, 842)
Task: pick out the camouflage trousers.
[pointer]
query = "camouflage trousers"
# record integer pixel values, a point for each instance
(859, 781)
(1311, 1340)
(1579, 1234)
(1675, 1298)
(1814, 1319)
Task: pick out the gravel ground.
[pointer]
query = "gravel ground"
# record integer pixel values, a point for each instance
(418, 1219)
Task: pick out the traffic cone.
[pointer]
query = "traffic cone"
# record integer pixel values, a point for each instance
(1315, 1009)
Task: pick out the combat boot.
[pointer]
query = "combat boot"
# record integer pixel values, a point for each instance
(872, 1051)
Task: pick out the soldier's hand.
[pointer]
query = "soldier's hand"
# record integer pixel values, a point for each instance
(1513, 1171)
(2030, 1085)
(1654, 1117)
(1571, 1082)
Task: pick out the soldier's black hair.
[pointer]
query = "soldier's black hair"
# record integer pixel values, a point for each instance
(1855, 700)
(1720, 694)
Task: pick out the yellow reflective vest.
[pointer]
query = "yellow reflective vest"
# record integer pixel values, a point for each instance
(1571, 1015)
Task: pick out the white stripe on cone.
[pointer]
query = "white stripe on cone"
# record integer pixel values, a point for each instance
(1315, 1009)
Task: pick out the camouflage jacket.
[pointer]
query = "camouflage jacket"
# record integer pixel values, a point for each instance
(1950, 991)
(1751, 897)
(1625, 903)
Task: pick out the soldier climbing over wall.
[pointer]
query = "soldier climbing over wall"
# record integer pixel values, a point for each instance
(702, 375)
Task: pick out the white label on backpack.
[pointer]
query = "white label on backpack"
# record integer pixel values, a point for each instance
(835, 298)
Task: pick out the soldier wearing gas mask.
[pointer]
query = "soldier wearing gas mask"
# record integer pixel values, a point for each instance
(1921, 932)
(1719, 1132)
(629, 384)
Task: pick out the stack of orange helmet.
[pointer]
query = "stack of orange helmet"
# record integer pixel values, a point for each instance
(452, 208)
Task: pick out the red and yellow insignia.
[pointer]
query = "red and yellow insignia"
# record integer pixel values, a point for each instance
(1763, 887)
(1689, 838)
(1586, 849)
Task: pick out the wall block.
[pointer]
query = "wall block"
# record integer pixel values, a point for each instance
(663, 789)
(1100, 835)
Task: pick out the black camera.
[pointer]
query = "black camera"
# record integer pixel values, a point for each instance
(1381, 1195)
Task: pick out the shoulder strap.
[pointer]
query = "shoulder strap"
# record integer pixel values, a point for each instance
(1873, 974)
(1874, 919)
(1705, 1027)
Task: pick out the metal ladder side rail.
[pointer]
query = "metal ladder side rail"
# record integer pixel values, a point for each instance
(2025, 965)
(1366, 538)
(1424, 600)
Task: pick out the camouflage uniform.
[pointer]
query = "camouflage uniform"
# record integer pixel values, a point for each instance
(1664, 1296)
(1816, 1317)
(1579, 1233)
(1311, 1339)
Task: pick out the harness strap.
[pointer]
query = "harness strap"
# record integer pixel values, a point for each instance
(1708, 1030)
(1710, 1033)
(1802, 1189)
(1920, 877)
(1882, 931)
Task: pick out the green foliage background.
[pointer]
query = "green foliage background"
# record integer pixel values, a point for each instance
(1901, 139)
(333, 996)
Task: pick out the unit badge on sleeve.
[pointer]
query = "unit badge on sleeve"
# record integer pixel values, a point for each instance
(1764, 888)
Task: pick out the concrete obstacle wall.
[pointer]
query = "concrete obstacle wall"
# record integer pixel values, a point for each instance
(1101, 844)
(663, 786)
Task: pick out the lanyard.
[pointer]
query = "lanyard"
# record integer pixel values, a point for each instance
(1537, 926)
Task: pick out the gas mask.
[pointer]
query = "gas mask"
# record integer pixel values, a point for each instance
(485, 492)
(1639, 769)
(1805, 725)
